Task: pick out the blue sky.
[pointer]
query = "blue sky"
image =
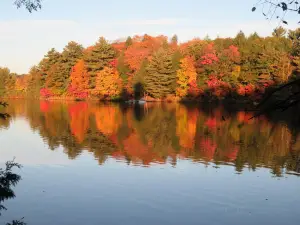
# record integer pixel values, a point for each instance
(25, 38)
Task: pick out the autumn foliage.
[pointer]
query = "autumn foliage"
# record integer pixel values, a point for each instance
(108, 83)
(79, 78)
(159, 68)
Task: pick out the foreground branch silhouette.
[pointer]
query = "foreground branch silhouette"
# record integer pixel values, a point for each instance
(8, 180)
(273, 9)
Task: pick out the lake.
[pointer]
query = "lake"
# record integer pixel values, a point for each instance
(89, 163)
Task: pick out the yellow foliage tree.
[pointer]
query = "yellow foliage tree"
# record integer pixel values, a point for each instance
(185, 75)
(108, 83)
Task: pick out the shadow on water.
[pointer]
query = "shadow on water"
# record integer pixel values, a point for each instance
(151, 133)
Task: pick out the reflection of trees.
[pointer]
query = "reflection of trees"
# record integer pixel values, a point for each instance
(79, 120)
(164, 132)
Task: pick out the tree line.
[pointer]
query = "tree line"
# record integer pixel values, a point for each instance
(158, 68)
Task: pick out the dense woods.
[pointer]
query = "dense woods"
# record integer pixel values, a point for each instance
(158, 68)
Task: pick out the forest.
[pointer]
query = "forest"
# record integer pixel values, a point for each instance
(162, 69)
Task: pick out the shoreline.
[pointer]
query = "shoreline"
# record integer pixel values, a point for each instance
(237, 102)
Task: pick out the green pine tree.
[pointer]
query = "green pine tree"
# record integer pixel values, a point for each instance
(69, 57)
(128, 42)
(35, 82)
(160, 79)
(4, 74)
(100, 55)
(49, 60)
(174, 39)
(122, 68)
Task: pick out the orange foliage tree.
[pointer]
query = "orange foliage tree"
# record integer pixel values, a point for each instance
(141, 49)
(79, 80)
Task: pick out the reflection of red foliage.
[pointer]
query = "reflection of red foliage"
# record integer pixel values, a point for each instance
(231, 155)
(44, 106)
(244, 117)
(139, 151)
(208, 148)
(79, 120)
(211, 123)
(114, 139)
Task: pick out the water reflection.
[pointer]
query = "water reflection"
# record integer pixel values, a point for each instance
(163, 133)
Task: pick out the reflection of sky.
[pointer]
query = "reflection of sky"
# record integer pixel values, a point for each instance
(85, 193)
(28, 147)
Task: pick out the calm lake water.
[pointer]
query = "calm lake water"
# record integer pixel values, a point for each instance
(87, 163)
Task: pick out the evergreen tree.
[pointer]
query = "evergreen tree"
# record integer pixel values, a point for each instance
(122, 67)
(4, 74)
(240, 39)
(99, 57)
(139, 80)
(59, 72)
(55, 79)
(254, 36)
(279, 32)
(176, 57)
(35, 82)
(174, 39)
(160, 78)
(69, 57)
(49, 60)
(294, 36)
(10, 84)
(128, 42)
